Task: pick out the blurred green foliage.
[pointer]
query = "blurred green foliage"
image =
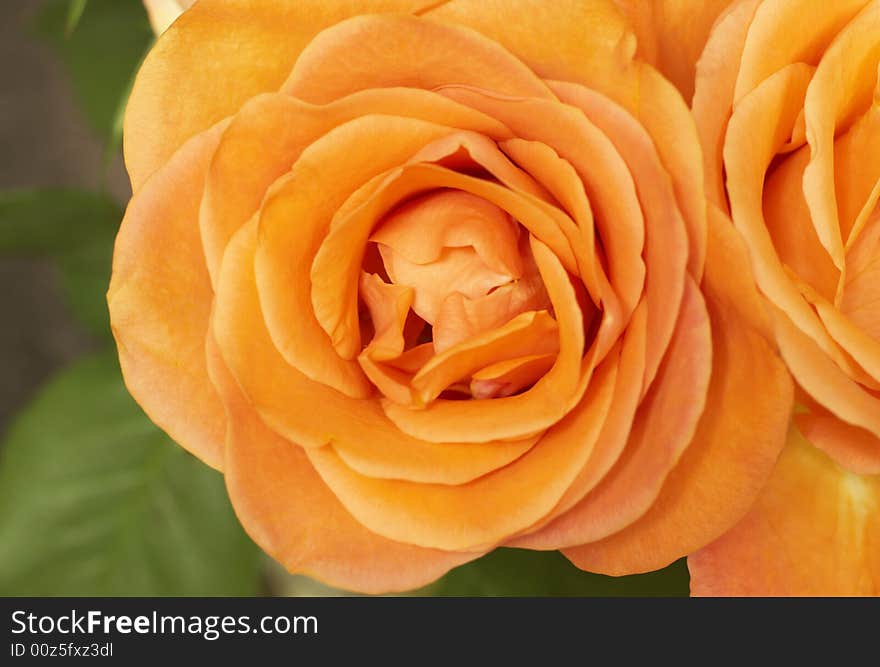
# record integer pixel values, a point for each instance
(95, 499)
(521, 573)
(101, 43)
(74, 228)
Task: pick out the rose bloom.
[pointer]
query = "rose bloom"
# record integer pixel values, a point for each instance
(423, 279)
(787, 104)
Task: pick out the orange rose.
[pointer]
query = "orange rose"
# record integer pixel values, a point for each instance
(428, 282)
(788, 112)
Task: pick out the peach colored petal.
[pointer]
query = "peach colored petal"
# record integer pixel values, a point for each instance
(791, 229)
(666, 240)
(784, 32)
(572, 40)
(858, 343)
(270, 132)
(851, 447)
(524, 414)
(311, 193)
(663, 428)
(287, 510)
(334, 296)
(824, 380)
(716, 74)
(760, 124)
(861, 293)
(460, 318)
(738, 438)
(457, 270)
(160, 300)
(843, 85)
(310, 413)
(607, 181)
(666, 117)
(563, 183)
(855, 178)
(483, 511)
(218, 55)
(508, 377)
(813, 531)
(552, 532)
(672, 33)
(420, 230)
(591, 43)
(394, 50)
(534, 332)
(389, 306)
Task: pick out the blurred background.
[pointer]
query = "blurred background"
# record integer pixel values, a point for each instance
(94, 499)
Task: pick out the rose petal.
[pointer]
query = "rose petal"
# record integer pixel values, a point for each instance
(394, 50)
(738, 438)
(824, 380)
(270, 132)
(716, 74)
(160, 300)
(571, 40)
(360, 150)
(505, 378)
(514, 416)
(784, 32)
(813, 531)
(759, 126)
(851, 447)
(488, 509)
(843, 84)
(310, 413)
(217, 56)
(666, 240)
(860, 301)
(854, 177)
(607, 180)
(672, 33)
(534, 332)
(553, 530)
(286, 508)
(334, 296)
(788, 222)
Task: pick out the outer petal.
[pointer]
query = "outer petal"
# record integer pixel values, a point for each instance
(672, 34)
(485, 510)
(160, 300)
(716, 75)
(405, 51)
(293, 516)
(271, 131)
(851, 447)
(815, 530)
(570, 40)
(738, 437)
(214, 58)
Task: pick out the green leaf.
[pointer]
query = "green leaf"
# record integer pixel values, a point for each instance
(74, 14)
(522, 573)
(74, 228)
(103, 53)
(96, 501)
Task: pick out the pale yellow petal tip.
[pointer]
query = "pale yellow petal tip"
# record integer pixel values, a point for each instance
(163, 13)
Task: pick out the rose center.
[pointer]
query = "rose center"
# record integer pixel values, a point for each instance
(459, 282)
